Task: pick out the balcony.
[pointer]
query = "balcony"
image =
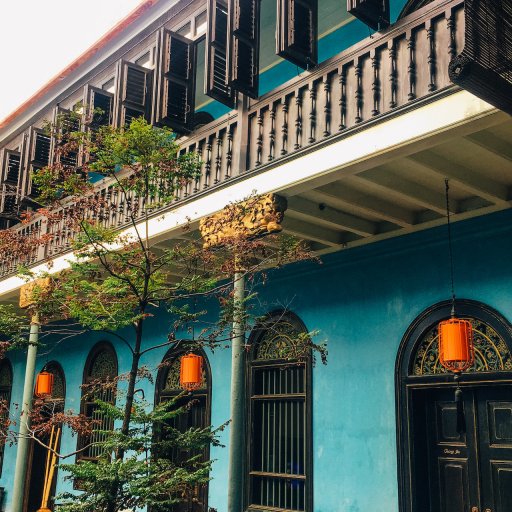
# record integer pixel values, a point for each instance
(381, 79)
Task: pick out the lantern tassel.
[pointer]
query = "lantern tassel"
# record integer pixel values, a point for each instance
(459, 402)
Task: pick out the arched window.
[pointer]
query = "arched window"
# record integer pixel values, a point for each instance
(447, 463)
(279, 426)
(99, 374)
(197, 416)
(5, 398)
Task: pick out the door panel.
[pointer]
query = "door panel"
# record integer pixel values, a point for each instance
(495, 445)
(450, 453)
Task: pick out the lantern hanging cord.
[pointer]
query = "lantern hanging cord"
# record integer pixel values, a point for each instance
(447, 187)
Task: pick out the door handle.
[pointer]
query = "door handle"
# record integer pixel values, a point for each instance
(488, 510)
(474, 509)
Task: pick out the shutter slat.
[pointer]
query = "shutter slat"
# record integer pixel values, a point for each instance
(297, 22)
(374, 13)
(100, 106)
(243, 46)
(41, 148)
(216, 62)
(12, 167)
(136, 93)
(178, 81)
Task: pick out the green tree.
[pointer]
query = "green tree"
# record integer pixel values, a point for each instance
(118, 278)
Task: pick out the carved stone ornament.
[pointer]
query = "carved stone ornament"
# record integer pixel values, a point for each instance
(249, 219)
(27, 291)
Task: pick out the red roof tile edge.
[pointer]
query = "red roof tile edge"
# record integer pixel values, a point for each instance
(145, 6)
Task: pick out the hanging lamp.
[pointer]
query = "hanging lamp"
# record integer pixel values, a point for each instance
(44, 384)
(191, 371)
(456, 350)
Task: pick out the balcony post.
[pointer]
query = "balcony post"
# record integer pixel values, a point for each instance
(243, 134)
(237, 426)
(20, 471)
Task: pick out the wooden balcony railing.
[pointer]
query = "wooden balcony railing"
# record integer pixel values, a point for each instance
(380, 76)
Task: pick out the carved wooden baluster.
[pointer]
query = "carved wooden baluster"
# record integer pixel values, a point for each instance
(208, 163)
(393, 74)
(272, 134)
(298, 119)
(327, 105)
(452, 43)
(431, 38)
(358, 70)
(229, 153)
(284, 127)
(343, 98)
(312, 112)
(375, 83)
(259, 139)
(218, 158)
(411, 68)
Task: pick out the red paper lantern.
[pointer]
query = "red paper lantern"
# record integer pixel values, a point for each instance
(456, 352)
(191, 372)
(44, 384)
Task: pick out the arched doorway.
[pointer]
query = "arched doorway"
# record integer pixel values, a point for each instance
(38, 453)
(197, 415)
(442, 469)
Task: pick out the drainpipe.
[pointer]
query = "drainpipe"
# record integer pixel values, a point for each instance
(237, 427)
(20, 471)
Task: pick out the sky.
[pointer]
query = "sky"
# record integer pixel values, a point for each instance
(39, 38)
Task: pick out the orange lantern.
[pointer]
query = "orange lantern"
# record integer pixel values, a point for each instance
(44, 384)
(456, 352)
(191, 371)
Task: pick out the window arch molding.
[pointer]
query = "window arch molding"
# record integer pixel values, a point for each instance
(59, 384)
(268, 374)
(407, 385)
(96, 369)
(167, 387)
(172, 357)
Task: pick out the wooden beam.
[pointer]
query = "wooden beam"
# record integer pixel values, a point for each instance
(320, 213)
(468, 179)
(304, 230)
(382, 181)
(342, 197)
(489, 142)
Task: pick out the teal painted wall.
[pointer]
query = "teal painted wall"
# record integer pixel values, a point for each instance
(362, 301)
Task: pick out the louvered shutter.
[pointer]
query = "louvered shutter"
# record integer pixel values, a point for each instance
(374, 13)
(9, 184)
(100, 106)
(40, 151)
(296, 40)
(66, 122)
(136, 91)
(178, 81)
(243, 45)
(216, 64)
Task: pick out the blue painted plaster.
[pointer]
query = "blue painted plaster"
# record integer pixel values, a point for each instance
(362, 301)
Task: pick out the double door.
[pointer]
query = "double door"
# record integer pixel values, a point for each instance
(468, 470)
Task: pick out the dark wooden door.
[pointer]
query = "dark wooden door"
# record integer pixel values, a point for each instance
(494, 417)
(468, 471)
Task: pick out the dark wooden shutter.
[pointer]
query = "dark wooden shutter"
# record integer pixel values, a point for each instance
(178, 81)
(100, 105)
(243, 45)
(296, 40)
(136, 91)
(66, 123)
(374, 13)
(216, 49)
(40, 156)
(9, 185)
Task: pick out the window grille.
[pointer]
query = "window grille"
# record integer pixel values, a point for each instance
(279, 419)
(99, 374)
